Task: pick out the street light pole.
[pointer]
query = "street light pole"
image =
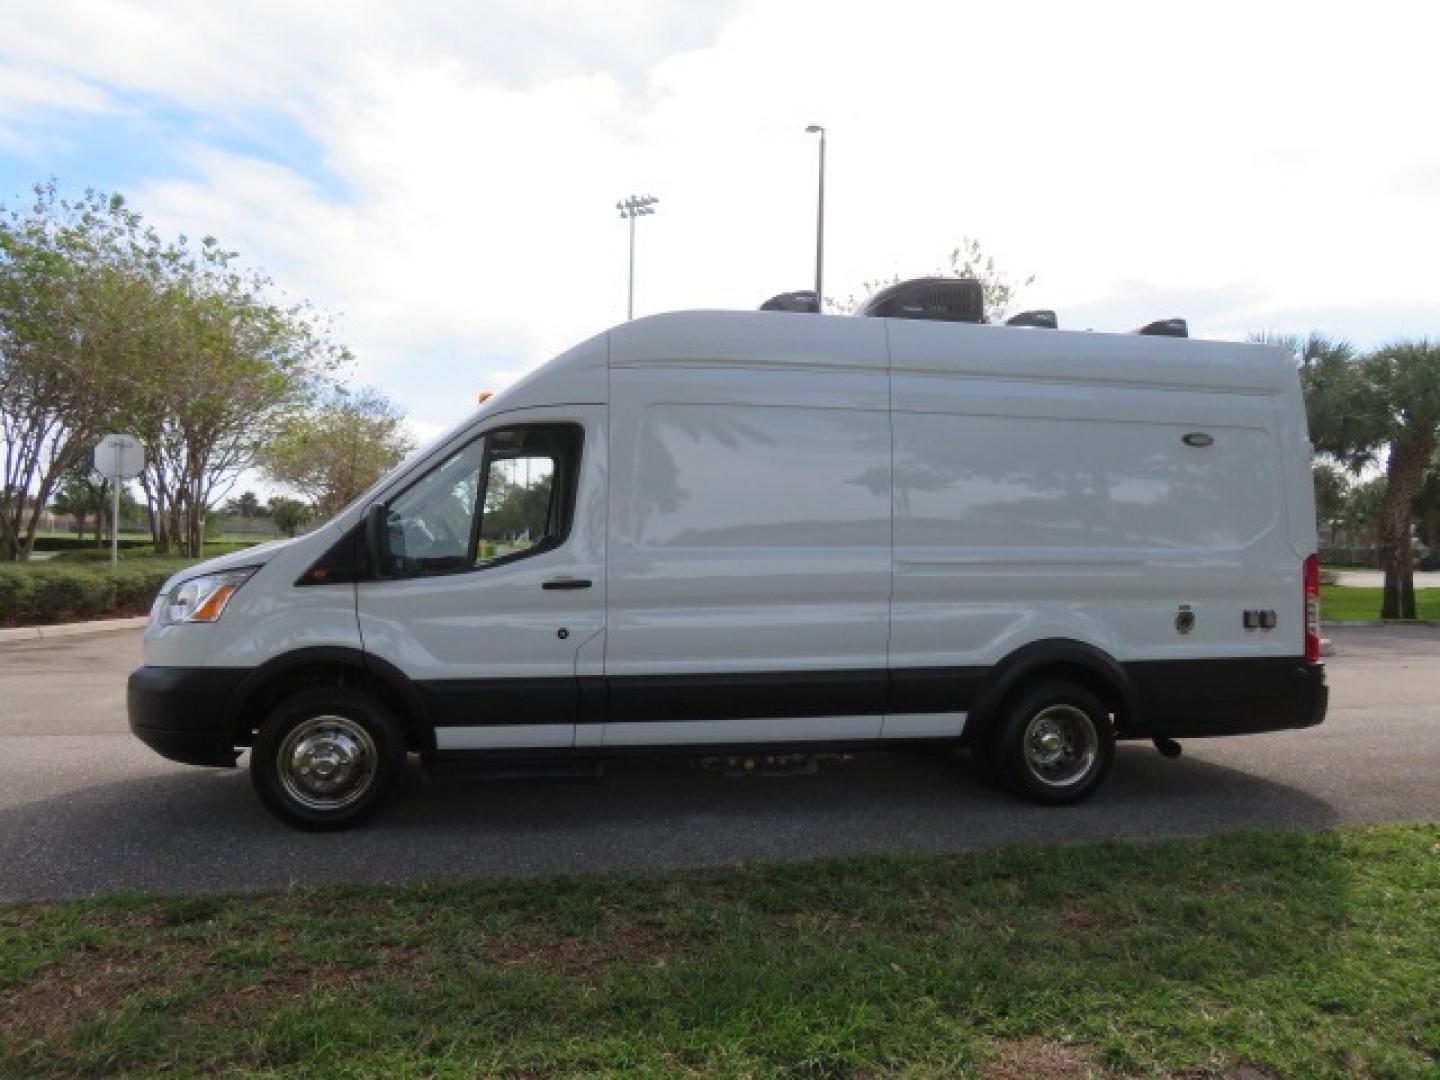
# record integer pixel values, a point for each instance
(631, 208)
(819, 223)
(630, 291)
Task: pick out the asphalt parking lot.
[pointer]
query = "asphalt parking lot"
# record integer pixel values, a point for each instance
(85, 808)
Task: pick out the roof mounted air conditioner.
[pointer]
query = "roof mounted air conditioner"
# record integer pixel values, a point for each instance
(1166, 328)
(804, 301)
(1042, 318)
(941, 299)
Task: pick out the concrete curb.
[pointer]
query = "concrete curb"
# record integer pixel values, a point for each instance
(1377, 624)
(64, 630)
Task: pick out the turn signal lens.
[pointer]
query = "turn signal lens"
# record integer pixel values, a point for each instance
(210, 610)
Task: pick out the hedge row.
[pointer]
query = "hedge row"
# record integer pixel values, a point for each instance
(143, 551)
(31, 594)
(81, 543)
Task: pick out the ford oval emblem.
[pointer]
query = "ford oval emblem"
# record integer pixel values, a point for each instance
(1198, 438)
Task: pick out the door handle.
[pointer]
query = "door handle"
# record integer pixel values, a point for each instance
(566, 583)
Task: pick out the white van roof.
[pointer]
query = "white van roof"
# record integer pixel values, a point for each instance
(769, 339)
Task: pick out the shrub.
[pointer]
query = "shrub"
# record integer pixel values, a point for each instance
(143, 551)
(14, 587)
(96, 555)
(64, 591)
(135, 589)
(85, 543)
(32, 593)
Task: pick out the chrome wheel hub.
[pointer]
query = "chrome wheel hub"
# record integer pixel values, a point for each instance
(327, 762)
(1061, 745)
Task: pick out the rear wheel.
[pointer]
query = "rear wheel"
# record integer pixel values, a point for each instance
(1054, 743)
(326, 758)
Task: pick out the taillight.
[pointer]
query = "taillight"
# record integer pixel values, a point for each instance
(1312, 609)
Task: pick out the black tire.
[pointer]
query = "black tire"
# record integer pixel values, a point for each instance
(1064, 724)
(354, 752)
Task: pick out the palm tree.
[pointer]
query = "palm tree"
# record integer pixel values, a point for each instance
(1330, 378)
(1364, 409)
(1402, 402)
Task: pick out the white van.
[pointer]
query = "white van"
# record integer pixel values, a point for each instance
(742, 532)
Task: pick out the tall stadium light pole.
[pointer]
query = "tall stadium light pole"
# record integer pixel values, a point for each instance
(816, 129)
(631, 208)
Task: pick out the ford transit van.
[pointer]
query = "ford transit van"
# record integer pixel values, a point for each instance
(742, 532)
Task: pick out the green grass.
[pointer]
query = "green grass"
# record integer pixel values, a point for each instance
(1349, 603)
(1301, 955)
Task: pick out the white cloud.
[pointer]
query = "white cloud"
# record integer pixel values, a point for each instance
(1236, 163)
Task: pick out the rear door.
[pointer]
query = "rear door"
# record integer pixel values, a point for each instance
(498, 579)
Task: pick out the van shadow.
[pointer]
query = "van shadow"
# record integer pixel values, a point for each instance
(184, 830)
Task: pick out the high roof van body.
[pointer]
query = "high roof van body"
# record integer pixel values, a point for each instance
(756, 531)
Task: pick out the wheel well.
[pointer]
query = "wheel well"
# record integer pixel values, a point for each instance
(283, 684)
(1092, 679)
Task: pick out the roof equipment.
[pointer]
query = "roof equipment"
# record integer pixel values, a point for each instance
(1042, 317)
(804, 301)
(1166, 328)
(941, 299)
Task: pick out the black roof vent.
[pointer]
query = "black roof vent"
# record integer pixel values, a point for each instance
(942, 299)
(803, 301)
(1166, 328)
(1043, 318)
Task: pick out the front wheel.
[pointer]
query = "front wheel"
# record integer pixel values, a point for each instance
(1054, 744)
(326, 758)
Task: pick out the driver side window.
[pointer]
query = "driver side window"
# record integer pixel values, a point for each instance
(429, 524)
(506, 496)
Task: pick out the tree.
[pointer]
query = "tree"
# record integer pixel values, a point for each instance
(1364, 510)
(71, 311)
(1428, 508)
(80, 499)
(230, 366)
(1402, 403)
(334, 451)
(246, 504)
(514, 508)
(105, 325)
(1384, 406)
(291, 515)
(83, 492)
(1331, 488)
(967, 260)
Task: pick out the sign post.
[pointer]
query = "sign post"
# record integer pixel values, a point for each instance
(118, 458)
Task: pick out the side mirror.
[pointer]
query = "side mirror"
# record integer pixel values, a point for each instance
(377, 539)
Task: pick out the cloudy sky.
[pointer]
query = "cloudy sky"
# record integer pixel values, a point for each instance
(442, 176)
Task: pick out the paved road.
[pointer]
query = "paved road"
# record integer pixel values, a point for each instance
(85, 808)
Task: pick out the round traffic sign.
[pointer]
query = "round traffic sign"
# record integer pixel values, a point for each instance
(119, 457)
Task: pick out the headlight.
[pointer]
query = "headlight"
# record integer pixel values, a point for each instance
(201, 599)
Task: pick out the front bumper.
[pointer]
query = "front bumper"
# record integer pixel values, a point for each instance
(180, 712)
